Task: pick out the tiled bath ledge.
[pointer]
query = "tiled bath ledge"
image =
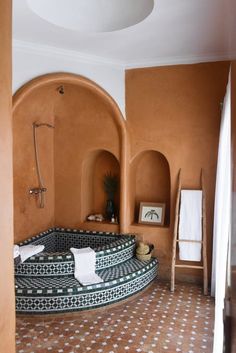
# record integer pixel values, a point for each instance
(64, 294)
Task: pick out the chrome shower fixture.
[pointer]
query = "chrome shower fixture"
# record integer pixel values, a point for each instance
(41, 189)
(36, 191)
(61, 89)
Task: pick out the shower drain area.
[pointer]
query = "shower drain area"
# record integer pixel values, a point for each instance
(45, 282)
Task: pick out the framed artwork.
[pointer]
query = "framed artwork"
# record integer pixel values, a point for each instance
(152, 213)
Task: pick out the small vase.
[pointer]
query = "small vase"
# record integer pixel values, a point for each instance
(110, 209)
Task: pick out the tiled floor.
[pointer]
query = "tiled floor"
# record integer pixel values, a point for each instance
(154, 321)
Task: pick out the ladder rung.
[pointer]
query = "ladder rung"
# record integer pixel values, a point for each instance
(190, 266)
(189, 241)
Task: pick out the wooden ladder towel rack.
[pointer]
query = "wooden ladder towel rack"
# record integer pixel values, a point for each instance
(203, 241)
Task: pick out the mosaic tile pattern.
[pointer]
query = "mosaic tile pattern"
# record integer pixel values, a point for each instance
(65, 268)
(45, 283)
(131, 268)
(60, 242)
(154, 321)
(45, 295)
(55, 238)
(111, 249)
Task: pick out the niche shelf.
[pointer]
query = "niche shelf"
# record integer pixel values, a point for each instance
(95, 166)
(150, 182)
(101, 226)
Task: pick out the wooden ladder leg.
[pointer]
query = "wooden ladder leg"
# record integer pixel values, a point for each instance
(173, 262)
(204, 250)
(172, 284)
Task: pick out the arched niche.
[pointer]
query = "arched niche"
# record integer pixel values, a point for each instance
(149, 182)
(96, 164)
(40, 100)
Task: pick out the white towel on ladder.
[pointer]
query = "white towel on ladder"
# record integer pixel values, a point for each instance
(190, 225)
(85, 261)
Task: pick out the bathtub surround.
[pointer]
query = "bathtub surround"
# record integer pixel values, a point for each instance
(57, 243)
(46, 284)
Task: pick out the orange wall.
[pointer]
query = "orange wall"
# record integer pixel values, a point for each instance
(95, 166)
(84, 123)
(176, 111)
(150, 182)
(29, 219)
(7, 300)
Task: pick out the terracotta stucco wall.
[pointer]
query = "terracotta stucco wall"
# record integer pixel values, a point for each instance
(7, 302)
(84, 123)
(176, 111)
(29, 219)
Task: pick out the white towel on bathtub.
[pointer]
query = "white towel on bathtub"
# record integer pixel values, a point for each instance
(190, 225)
(16, 251)
(85, 261)
(27, 251)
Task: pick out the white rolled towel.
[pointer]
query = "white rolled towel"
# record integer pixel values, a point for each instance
(16, 251)
(27, 251)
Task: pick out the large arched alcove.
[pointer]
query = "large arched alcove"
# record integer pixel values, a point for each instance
(85, 117)
(150, 182)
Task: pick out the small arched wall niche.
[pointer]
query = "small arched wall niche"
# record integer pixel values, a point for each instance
(96, 164)
(150, 182)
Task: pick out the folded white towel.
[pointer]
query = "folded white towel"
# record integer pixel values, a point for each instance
(16, 251)
(88, 279)
(190, 225)
(27, 251)
(85, 261)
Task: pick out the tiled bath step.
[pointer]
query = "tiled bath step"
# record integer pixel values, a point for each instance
(63, 294)
(111, 249)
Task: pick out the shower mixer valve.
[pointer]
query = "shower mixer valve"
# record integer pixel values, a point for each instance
(36, 191)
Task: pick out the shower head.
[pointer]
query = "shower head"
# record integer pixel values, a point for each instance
(35, 124)
(61, 89)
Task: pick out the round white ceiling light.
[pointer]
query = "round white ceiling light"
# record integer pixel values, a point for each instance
(92, 15)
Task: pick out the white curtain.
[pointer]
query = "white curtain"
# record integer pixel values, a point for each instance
(222, 221)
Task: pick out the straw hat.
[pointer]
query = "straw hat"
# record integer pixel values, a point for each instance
(142, 249)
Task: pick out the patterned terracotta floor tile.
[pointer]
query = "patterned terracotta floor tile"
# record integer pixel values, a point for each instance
(155, 321)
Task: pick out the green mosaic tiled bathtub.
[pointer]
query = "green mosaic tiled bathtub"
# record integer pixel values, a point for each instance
(45, 282)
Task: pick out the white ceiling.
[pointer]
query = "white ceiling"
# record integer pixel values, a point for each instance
(177, 31)
(93, 15)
